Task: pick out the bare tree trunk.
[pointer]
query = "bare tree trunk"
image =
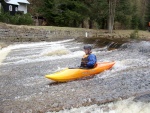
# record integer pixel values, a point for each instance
(90, 24)
(103, 23)
(74, 23)
(37, 21)
(82, 23)
(110, 17)
(112, 10)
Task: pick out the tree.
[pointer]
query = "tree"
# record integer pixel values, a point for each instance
(124, 13)
(64, 13)
(135, 19)
(147, 17)
(142, 13)
(98, 13)
(74, 13)
(112, 11)
(34, 6)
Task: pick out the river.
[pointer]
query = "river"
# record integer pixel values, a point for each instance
(24, 89)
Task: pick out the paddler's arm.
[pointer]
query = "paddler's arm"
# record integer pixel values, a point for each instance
(92, 60)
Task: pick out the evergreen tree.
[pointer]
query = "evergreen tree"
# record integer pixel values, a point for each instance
(124, 13)
(147, 17)
(34, 6)
(135, 19)
(74, 12)
(64, 13)
(99, 12)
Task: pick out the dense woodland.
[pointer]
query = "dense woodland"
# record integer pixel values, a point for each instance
(102, 14)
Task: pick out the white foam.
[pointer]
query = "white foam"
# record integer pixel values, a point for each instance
(55, 50)
(3, 53)
(123, 106)
(39, 44)
(123, 65)
(71, 55)
(119, 65)
(34, 52)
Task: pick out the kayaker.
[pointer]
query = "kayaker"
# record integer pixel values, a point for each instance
(89, 60)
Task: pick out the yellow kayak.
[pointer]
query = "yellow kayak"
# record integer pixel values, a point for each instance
(73, 74)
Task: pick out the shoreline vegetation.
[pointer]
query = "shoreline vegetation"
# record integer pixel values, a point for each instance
(143, 35)
(117, 34)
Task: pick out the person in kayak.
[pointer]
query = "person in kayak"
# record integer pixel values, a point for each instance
(89, 60)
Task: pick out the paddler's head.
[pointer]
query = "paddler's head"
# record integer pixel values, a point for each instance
(88, 49)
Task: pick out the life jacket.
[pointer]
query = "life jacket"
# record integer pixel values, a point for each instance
(84, 61)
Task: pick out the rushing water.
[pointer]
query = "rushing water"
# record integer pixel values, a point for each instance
(24, 88)
(122, 106)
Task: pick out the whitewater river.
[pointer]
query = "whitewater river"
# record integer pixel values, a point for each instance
(24, 89)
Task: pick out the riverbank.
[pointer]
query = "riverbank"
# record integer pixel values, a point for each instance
(143, 35)
(103, 33)
(14, 33)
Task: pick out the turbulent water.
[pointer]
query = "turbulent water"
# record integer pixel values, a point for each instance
(122, 106)
(23, 87)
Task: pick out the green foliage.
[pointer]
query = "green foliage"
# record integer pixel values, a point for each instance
(34, 6)
(4, 17)
(25, 19)
(147, 17)
(74, 13)
(17, 19)
(99, 11)
(64, 12)
(135, 19)
(134, 34)
(123, 13)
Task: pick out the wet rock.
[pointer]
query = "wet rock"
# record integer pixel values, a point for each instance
(142, 98)
(55, 105)
(73, 90)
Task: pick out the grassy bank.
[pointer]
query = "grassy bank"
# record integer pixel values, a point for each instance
(144, 35)
(116, 33)
(102, 33)
(127, 33)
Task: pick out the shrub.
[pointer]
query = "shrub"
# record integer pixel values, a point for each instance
(24, 19)
(5, 17)
(134, 34)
